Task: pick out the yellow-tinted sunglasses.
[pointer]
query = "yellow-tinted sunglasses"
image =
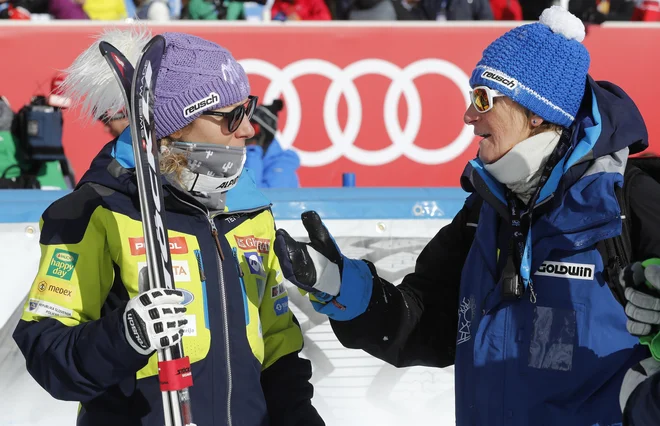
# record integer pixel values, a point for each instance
(482, 98)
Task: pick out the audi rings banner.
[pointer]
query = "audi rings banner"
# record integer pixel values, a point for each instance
(383, 102)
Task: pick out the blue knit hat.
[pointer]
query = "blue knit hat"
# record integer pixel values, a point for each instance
(542, 66)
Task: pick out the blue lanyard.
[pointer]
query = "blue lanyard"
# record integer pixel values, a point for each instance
(522, 238)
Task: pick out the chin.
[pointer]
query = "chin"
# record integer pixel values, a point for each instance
(486, 157)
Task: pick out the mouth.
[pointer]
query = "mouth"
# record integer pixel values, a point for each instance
(484, 135)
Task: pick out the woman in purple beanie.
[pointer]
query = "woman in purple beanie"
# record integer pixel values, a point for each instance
(91, 327)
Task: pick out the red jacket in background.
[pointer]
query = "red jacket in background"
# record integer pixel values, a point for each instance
(506, 10)
(647, 10)
(305, 10)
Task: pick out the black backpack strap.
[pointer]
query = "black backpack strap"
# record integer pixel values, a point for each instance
(617, 252)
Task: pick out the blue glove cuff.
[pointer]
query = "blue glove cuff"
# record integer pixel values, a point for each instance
(355, 292)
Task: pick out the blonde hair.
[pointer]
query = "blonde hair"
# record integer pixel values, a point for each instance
(171, 163)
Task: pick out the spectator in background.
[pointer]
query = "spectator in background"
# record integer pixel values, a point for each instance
(366, 10)
(599, 11)
(444, 10)
(67, 9)
(152, 10)
(506, 10)
(300, 10)
(212, 10)
(646, 10)
(105, 10)
(532, 8)
(270, 166)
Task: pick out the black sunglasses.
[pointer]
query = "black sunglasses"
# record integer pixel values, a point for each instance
(235, 116)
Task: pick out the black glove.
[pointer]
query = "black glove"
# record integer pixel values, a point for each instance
(316, 266)
(339, 287)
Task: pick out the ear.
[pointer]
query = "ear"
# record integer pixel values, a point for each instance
(535, 121)
(177, 135)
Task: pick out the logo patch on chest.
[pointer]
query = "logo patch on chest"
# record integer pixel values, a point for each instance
(578, 271)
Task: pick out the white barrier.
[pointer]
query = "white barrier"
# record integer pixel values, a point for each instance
(351, 387)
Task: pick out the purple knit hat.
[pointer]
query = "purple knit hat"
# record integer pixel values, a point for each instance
(195, 75)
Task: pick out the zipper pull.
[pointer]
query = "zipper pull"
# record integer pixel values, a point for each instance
(214, 232)
(238, 264)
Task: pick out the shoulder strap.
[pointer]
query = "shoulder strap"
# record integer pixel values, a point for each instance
(617, 252)
(474, 204)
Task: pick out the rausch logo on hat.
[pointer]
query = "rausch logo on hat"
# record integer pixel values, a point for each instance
(212, 99)
(501, 79)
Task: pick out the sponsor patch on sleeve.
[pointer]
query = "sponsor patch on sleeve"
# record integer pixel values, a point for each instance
(62, 263)
(47, 309)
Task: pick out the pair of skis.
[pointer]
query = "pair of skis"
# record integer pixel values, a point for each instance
(138, 87)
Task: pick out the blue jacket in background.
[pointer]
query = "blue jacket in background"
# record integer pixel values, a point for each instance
(276, 169)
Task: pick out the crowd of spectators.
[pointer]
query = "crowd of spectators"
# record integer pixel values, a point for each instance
(592, 11)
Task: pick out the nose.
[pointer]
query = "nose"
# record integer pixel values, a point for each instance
(245, 130)
(471, 115)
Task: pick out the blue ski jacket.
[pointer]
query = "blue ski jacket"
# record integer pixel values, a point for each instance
(554, 359)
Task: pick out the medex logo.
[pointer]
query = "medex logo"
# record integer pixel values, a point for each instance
(262, 245)
(178, 245)
(59, 290)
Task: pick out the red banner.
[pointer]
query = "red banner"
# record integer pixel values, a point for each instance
(384, 102)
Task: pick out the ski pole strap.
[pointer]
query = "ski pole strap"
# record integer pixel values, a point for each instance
(175, 375)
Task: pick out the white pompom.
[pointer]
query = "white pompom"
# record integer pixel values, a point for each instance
(563, 22)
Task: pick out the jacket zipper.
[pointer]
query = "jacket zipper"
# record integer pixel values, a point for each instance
(223, 296)
(225, 319)
(243, 287)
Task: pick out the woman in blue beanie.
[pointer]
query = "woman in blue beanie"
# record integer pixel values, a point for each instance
(91, 325)
(513, 291)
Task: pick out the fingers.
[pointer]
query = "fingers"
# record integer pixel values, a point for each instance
(169, 325)
(314, 225)
(633, 275)
(159, 296)
(168, 340)
(638, 329)
(296, 264)
(642, 300)
(168, 331)
(652, 276)
(320, 237)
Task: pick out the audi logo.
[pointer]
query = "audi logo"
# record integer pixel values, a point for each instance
(342, 84)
